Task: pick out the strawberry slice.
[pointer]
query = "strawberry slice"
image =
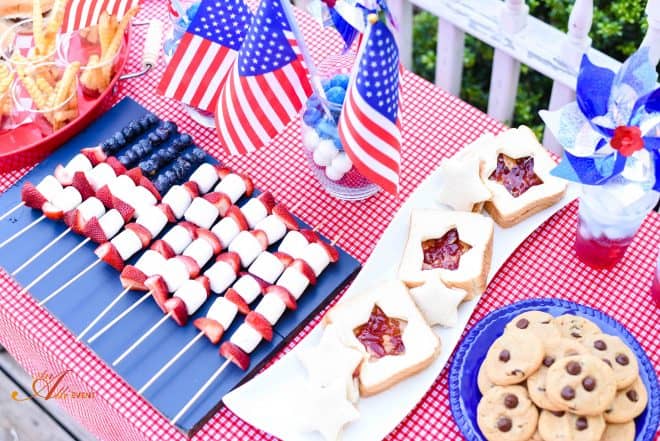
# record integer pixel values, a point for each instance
(235, 213)
(284, 294)
(249, 185)
(305, 270)
(284, 258)
(96, 155)
(222, 171)
(211, 238)
(116, 166)
(51, 211)
(74, 220)
(261, 237)
(104, 195)
(220, 200)
(163, 248)
(211, 329)
(331, 251)
(232, 352)
(192, 228)
(94, 231)
(177, 308)
(260, 324)
(123, 208)
(267, 199)
(310, 235)
(146, 183)
(158, 288)
(231, 258)
(63, 176)
(109, 254)
(83, 186)
(286, 217)
(135, 174)
(133, 278)
(141, 232)
(206, 283)
(233, 296)
(192, 188)
(191, 266)
(167, 211)
(32, 197)
(261, 282)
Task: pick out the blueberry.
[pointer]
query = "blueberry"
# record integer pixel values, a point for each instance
(163, 133)
(109, 146)
(340, 80)
(199, 155)
(170, 175)
(131, 155)
(335, 115)
(313, 101)
(311, 116)
(154, 139)
(327, 129)
(144, 124)
(169, 125)
(135, 126)
(120, 139)
(125, 160)
(170, 153)
(129, 132)
(146, 145)
(161, 184)
(184, 140)
(180, 171)
(336, 95)
(151, 119)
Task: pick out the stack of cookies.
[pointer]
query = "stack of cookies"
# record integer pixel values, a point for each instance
(559, 378)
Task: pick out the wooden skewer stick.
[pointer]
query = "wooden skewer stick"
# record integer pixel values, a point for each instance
(141, 339)
(11, 210)
(199, 393)
(23, 230)
(67, 284)
(119, 317)
(41, 251)
(102, 314)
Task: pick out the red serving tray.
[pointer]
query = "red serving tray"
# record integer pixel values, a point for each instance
(25, 145)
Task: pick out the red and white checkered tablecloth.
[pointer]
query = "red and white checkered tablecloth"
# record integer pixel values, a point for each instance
(435, 125)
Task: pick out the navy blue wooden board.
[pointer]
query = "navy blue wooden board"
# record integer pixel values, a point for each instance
(82, 301)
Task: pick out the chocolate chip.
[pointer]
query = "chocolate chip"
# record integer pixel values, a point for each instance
(600, 345)
(505, 355)
(504, 424)
(576, 335)
(622, 359)
(558, 413)
(546, 322)
(568, 393)
(523, 323)
(548, 360)
(609, 363)
(581, 423)
(511, 401)
(632, 395)
(573, 368)
(589, 383)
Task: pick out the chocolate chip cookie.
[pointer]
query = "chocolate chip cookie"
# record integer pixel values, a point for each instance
(613, 351)
(505, 413)
(536, 383)
(513, 357)
(628, 403)
(565, 426)
(540, 324)
(572, 326)
(619, 432)
(582, 384)
(483, 382)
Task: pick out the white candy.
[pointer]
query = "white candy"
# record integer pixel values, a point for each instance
(316, 257)
(232, 185)
(267, 267)
(342, 163)
(246, 338)
(205, 177)
(200, 250)
(333, 174)
(222, 311)
(100, 175)
(178, 199)
(178, 238)
(294, 281)
(311, 140)
(248, 288)
(325, 152)
(127, 243)
(193, 295)
(67, 199)
(221, 275)
(254, 211)
(111, 222)
(78, 163)
(293, 244)
(320, 158)
(91, 207)
(150, 263)
(49, 187)
(141, 199)
(226, 230)
(153, 219)
(273, 227)
(174, 273)
(271, 307)
(246, 246)
(201, 213)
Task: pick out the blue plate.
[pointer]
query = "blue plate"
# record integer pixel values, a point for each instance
(463, 390)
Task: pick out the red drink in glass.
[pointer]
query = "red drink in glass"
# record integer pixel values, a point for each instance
(600, 252)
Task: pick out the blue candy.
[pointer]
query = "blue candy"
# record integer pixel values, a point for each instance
(336, 95)
(340, 80)
(192, 11)
(327, 129)
(326, 84)
(311, 116)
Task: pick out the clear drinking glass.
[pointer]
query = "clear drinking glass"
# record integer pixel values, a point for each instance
(19, 40)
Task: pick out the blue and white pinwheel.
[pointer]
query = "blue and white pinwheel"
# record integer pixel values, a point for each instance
(612, 130)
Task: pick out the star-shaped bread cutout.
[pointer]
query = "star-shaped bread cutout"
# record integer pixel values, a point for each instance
(462, 187)
(438, 303)
(327, 410)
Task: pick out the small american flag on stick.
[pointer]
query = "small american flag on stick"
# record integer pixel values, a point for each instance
(80, 14)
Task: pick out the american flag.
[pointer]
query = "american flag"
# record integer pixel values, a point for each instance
(206, 53)
(80, 14)
(369, 125)
(267, 85)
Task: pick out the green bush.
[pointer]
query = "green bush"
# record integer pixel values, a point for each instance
(618, 29)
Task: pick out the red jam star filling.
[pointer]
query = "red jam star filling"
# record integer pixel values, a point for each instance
(517, 175)
(444, 252)
(381, 335)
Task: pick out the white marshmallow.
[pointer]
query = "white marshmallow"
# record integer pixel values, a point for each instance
(316, 257)
(226, 230)
(178, 238)
(49, 187)
(193, 295)
(311, 140)
(246, 338)
(178, 199)
(293, 244)
(254, 211)
(127, 243)
(200, 250)
(333, 174)
(222, 311)
(78, 163)
(100, 175)
(248, 288)
(221, 275)
(273, 227)
(342, 163)
(141, 199)
(205, 177)
(232, 185)
(91, 207)
(174, 273)
(111, 222)
(67, 199)
(294, 281)
(267, 267)
(121, 186)
(201, 213)
(246, 246)
(150, 263)
(153, 219)
(271, 307)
